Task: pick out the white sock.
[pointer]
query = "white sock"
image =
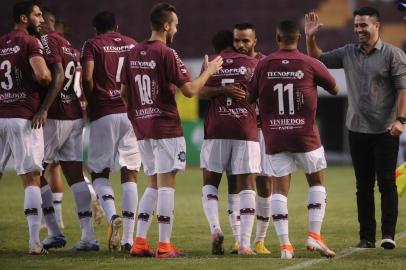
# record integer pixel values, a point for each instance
(57, 201)
(210, 203)
(82, 198)
(32, 210)
(146, 209)
(166, 200)
(49, 211)
(279, 209)
(129, 207)
(317, 207)
(263, 215)
(247, 216)
(234, 215)
(106, 196)
(91, 189)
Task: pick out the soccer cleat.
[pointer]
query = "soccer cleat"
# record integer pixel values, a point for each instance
(167, 250)
(217, 239)
(113, 233)
(37, 249)
(235, 247)
(287, 251)
(244, 251)
(54, 241)
(86, 246)
(316, 243)
(260, 248)
(98, 213)
(141, 248)
(388, 243)
(126, 247)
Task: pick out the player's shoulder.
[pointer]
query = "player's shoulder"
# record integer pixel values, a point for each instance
(129, 40)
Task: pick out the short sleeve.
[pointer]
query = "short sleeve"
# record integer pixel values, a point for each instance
(35, 48)
(398, 69)
(322, 76)
(88, 52)
(51, 49)
(333, 59)
(177, 72)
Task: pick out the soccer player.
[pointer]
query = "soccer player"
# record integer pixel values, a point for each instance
(111, 132)
(285, 84)
(151, 74)
(230, 144)
(63, 136)
(22, 66)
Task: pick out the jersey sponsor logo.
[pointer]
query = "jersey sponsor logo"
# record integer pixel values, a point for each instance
(231, 71)
(12, 97)
(118, 49)
(11, 50)
(295, 75)
(68, 51)
(286, 123)
(68, 98)
(143, 64)
(114, 93)
(182, 156)
(147, 112)
(232, 112)
(44, 43)
(179, 62)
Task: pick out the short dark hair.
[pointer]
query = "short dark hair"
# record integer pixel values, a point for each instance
(367, 11)
(244, 26)
(24, 8)
(289, 30)
(104, 21)
(161, 13)
(46, 11)
(222, 40)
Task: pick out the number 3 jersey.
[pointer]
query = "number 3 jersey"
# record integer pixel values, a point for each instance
(286, 85)
(152, 73)
(228, 118)
(57, 49)
(19, 93)
(108, 51)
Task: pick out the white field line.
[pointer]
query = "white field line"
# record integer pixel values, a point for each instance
(343, 253)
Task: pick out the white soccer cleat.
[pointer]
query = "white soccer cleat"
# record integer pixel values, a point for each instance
(316, 243)
(37, 249)
(287, 251)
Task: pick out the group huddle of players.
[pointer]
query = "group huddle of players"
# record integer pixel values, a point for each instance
(260, 124)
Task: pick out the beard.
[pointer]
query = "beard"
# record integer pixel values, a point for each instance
(32, 29)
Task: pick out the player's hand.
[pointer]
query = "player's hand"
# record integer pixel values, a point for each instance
(396, 128)
(234, 91)
(214, 65)
(312, 24)
(39, 119)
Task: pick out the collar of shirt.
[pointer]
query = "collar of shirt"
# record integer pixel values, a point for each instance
(378, 46)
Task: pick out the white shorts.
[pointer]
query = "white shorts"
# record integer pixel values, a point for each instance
(110, 136)
(163, 155)
(265, 162)
(63, 140)
(285, 163)
(233, 156)
(17, 138)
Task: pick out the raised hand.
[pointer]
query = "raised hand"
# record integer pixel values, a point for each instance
(214, 65)
(312, 24)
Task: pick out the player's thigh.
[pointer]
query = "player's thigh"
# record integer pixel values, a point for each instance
(128, 150)
(169, 154)
(281, 164)
(311, 162)
(215, 155)
(245, 157)
(265, 161)
(102, 144)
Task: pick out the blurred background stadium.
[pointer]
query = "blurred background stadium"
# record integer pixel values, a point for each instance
(199, 20)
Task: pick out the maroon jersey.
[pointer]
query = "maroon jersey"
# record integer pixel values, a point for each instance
(229, 118)
(58, 50)
(19, 93)
(108, 52)
(152, 72)
(286, 84)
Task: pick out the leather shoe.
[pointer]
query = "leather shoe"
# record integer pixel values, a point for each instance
(365, 244)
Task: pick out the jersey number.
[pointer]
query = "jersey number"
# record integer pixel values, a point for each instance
(8, 84)
(224, 82)
(282, 88)
(144, 86)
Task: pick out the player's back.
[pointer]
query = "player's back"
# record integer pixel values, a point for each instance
(229, 118)
(19, 93)
(108, 51)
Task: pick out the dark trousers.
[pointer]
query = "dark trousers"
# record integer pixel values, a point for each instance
(374, 156)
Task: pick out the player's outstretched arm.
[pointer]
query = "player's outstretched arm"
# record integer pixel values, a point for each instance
(88, 83)
(312, 27)
(55, 87)
(41, 72)
(192, 88)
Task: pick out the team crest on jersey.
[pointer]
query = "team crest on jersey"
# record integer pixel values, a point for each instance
(229, 61)
(285, 62)
(182, 156)
(117, 39)
(143, 52)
